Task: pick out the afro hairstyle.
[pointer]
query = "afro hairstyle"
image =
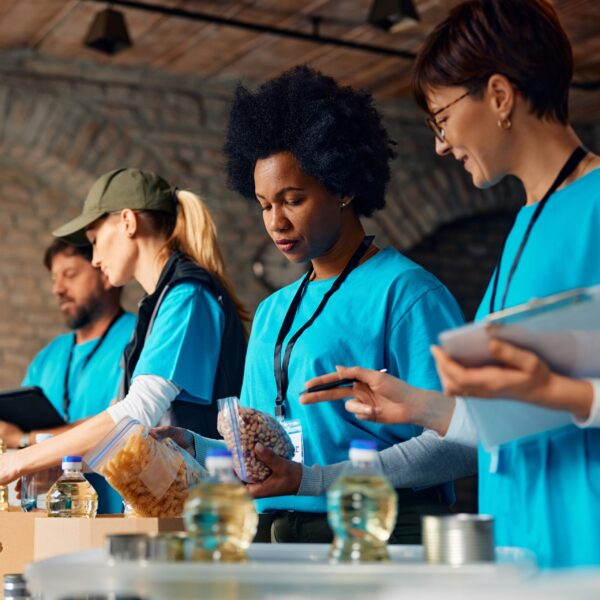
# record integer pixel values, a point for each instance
(334, 132)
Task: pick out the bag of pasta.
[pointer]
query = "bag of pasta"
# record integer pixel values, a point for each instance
(242, 428)
(153, 476)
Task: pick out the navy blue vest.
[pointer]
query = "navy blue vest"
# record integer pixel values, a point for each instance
(201, 418)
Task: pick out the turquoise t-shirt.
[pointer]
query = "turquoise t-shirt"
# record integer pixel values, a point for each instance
(545, 493)
(386, 314)
(185, 341)
(91, 389)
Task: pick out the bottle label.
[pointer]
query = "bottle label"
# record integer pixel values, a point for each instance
(294, 429)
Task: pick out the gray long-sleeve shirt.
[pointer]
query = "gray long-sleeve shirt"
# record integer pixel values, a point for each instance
(422, 461)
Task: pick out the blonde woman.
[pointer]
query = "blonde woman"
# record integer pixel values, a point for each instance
(189, 343)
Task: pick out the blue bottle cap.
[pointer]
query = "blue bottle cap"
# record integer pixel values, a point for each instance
(218, 453)
(71, 459)
(363, 445)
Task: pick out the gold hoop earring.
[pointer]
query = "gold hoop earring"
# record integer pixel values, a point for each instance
(505, 123)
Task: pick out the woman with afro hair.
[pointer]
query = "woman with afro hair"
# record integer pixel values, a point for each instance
(314, 157)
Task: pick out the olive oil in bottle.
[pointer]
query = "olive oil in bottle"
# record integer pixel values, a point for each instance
(361, 508)
(219, 514)
(3, 488)
(72, 495)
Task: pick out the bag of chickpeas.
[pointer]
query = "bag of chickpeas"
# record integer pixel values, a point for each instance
(242, 428)
(153, 476)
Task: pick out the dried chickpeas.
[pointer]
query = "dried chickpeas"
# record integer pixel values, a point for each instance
(253, 427)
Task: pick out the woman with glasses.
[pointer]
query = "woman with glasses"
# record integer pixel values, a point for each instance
(188, 346)
(494, 78)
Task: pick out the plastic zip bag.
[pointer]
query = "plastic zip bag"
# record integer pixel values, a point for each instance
(153, 476)
(242, 428)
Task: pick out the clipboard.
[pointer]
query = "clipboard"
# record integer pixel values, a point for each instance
(562, 329)
(29, 409)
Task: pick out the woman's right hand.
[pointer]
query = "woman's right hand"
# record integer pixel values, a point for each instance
(9, 471)
(182, 437)
(382, 398)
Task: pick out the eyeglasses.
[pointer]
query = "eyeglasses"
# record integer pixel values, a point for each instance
(439, 132)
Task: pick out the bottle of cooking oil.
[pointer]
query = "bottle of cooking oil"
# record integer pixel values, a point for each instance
(219, 514)
(3, 488)
(72, 495)
(361, 508)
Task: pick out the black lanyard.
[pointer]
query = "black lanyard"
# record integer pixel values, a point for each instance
(281, 370)
(66, 398)
(567, 169)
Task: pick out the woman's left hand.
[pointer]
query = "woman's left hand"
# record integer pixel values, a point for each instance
(283, 481)
(182, 437)
(521, 375)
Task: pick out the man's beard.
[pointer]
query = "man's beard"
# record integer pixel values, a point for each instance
(86, 314)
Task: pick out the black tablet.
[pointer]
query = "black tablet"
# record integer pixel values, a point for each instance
(29, 409)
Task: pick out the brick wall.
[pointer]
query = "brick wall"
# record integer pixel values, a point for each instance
(63, 123)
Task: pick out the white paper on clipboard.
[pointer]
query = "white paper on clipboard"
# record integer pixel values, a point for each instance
(564, 330)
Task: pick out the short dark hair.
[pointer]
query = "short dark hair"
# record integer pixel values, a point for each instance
(520, 39)
(334, 132)
(60, 247)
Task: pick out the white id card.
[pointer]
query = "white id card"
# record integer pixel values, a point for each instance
(294, 430)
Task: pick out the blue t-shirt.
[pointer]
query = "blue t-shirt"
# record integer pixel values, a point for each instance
(91, 388)
(185, 341)
(545, 493)
(386, 314)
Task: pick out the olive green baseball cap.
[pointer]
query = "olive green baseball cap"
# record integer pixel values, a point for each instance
(114, 191)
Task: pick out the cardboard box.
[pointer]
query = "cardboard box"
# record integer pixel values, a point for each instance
(16, 539)
(56, 536)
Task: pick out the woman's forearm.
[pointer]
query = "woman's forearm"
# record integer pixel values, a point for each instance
(76, 441)
(54, 430)
(423, 461)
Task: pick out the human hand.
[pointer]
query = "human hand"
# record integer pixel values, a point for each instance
(284, 479)
(520, 374)
(9, 470)
(182, 437)
(382, 398)
(11, 434)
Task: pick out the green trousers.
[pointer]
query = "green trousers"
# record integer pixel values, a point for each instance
(288, 526)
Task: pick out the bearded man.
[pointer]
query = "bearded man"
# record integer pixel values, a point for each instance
(78, 371)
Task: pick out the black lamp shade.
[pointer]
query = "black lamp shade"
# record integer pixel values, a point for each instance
(108, 32)
(388, 14)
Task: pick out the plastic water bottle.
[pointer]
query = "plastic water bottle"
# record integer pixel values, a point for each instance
(361, 508)
(34, 487)
(72, 495)
(3, 488)
(219, 514)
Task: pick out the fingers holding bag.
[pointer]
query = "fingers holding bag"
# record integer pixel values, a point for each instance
(242, 428)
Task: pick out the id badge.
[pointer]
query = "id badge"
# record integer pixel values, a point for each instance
(294, 429)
